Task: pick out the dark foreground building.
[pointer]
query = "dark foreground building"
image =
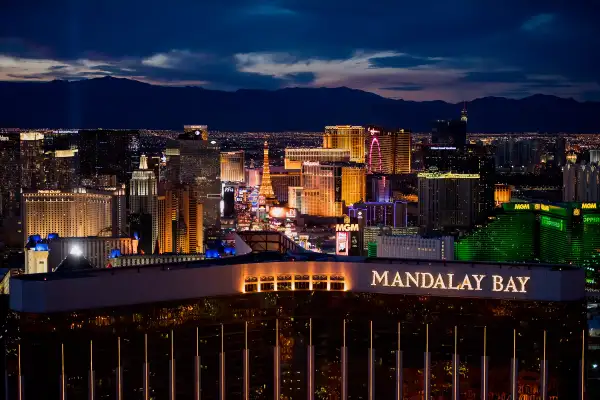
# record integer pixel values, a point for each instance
(366, 329)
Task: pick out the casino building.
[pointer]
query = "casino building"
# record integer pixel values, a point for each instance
(271, 326)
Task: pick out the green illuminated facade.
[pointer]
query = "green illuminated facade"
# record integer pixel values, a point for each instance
(568, 233)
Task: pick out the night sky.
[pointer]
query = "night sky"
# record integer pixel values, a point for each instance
(417, 50)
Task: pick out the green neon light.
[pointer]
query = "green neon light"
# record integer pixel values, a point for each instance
(591, 219)
(552, 223)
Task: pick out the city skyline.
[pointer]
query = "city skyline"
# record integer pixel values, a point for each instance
(444, 51)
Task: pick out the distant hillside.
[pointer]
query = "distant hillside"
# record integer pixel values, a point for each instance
(121, 103)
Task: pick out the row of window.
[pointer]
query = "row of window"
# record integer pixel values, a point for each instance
(267, 283)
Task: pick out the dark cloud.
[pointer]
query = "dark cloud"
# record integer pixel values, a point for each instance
(464, 45)
(405, 88)
(403, 61)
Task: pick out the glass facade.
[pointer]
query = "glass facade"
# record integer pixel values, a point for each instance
(568, 233)
(288, 325)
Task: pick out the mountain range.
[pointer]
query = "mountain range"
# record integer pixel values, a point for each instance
(123, 103)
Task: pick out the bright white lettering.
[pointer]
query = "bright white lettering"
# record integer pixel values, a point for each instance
(378, 279)
(397, 280)
(470, 282)
(523, 281)
(478, 279)
(450, 278)
(414, 279)
(466, 282)
(439, 282)
(497, 283)
(510, 286)
(429, 284)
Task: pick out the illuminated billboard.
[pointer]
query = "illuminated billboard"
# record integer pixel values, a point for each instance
(342, 242)
(282, 212)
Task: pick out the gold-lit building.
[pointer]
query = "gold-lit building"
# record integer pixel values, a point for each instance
(346, 137)
(320, 195)
(388, 151)
(232, 166)
(180, 222)
(78, 213)
(354, 184)
(337, 184)
(502, 194)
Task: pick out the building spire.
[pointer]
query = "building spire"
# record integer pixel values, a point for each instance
(463, 113)
(266, 189)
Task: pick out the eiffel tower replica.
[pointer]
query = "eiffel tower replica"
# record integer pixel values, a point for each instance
(266, 189)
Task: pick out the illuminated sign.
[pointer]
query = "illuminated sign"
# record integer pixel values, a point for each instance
(443, 148)
(552, 223)
(290, 213)
(591, 219)
(341, 243)
(229, 189)
(49, 191)
(4, 138)
(470, 282)
(347, 228)
(522, 206)
(589, 206)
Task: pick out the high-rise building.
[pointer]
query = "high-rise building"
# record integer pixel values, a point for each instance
(389, 151)
(294, 157)
(354, 183)
(77, 213)
(379, 188)
(61, 169)
(560, 151)
(449, 133)
(566, 233)
(393, 214)
(32, 160)
(338, 184)
(266, 193)
(346, 137)
(581, 182)
(109, 152)
(143, 201)
(232, 166)
(415, 247)
(295, 197)
(119, 212)
(180, 224)
(469, 159)
(322, 191)
(10, 176)
(282, 182)
(195, 161)
(447, 200)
